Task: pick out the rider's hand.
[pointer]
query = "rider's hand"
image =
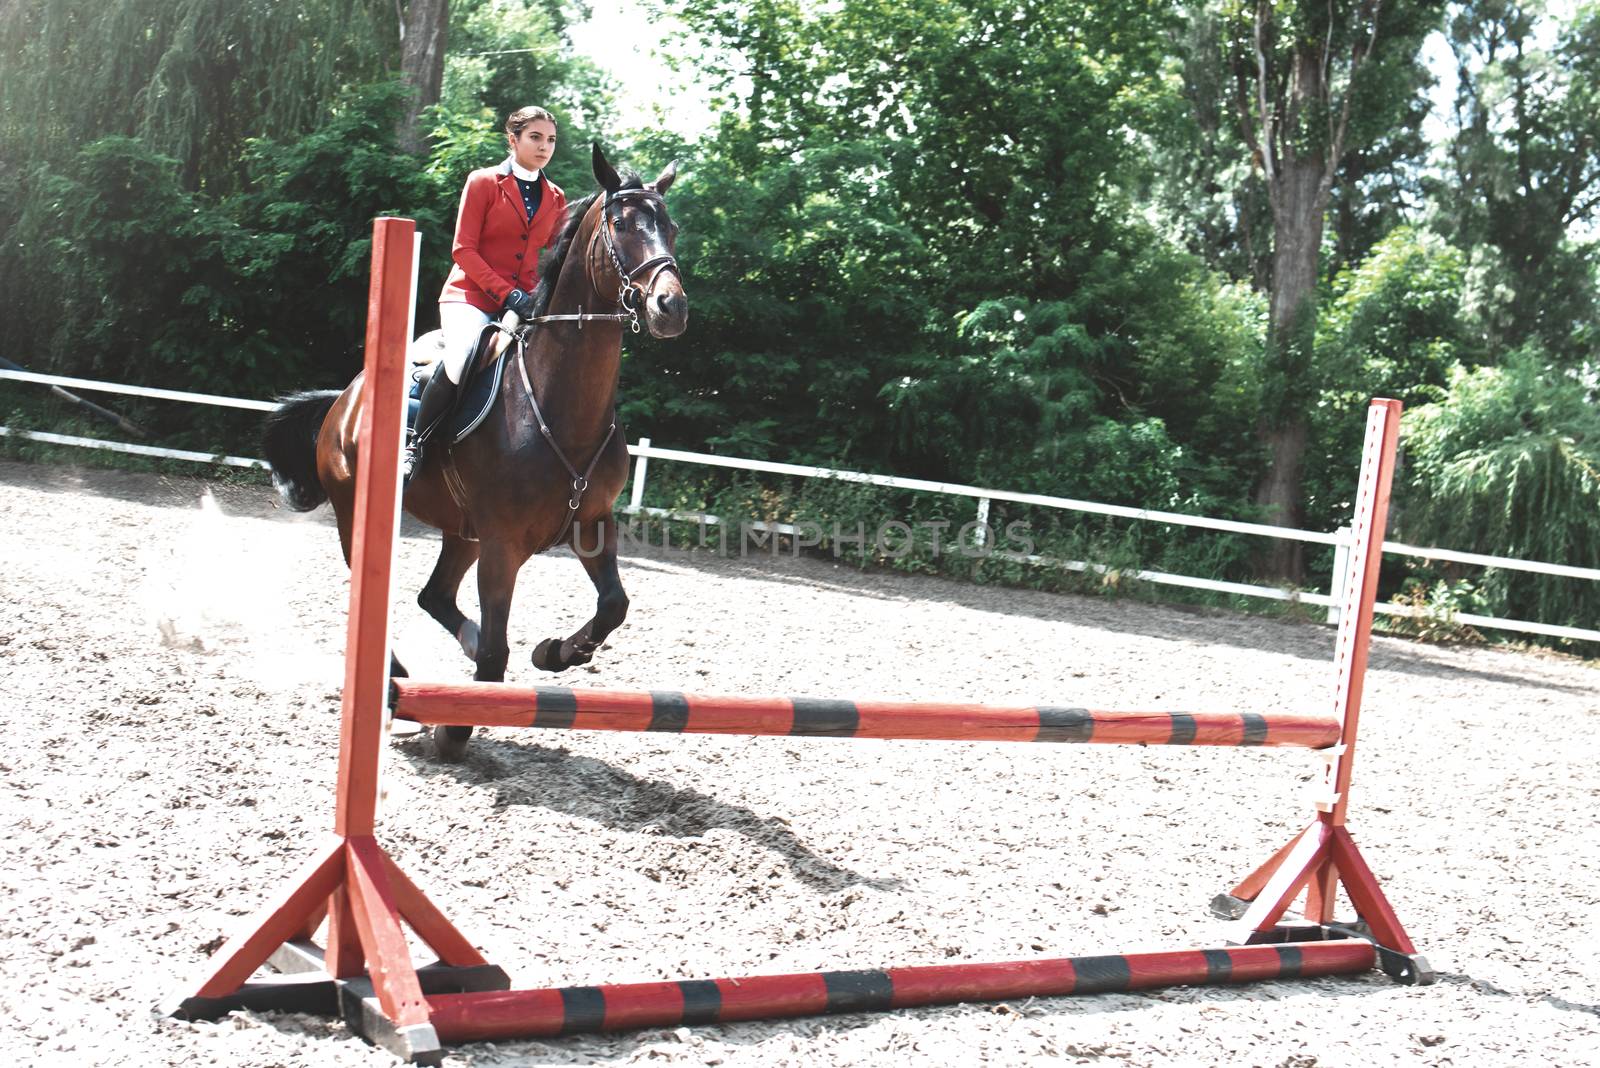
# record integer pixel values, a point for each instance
(520, 302)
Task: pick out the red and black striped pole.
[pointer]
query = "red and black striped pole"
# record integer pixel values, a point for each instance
(495, 1015)
(492, 704)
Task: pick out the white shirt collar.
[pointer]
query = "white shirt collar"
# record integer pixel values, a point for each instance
(523, 172)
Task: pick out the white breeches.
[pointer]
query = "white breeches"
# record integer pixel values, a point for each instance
(461, 324)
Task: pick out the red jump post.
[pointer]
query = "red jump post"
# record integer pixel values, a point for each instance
(1323, 856)
(366, 972)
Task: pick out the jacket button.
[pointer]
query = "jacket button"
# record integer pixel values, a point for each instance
(519, 255)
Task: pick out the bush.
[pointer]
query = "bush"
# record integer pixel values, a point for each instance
(1393, 329)
(247, 294)
(1509, 465)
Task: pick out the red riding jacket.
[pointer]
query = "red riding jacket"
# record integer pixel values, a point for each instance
(497, 247)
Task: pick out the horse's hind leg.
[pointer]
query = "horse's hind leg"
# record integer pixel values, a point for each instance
(438, 597)
(498, 565)
(342, 496)
(596, 546)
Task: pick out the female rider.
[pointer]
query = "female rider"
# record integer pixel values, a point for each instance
(508, 214)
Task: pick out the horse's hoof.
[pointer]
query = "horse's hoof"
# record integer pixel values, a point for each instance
(547, 655)
(450, 743)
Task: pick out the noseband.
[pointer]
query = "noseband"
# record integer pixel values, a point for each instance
(631, 293)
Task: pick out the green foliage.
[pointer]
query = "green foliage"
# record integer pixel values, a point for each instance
(1210, 198)
(1435, 606)
(1509, 465)
(245, 294)
(192, 80)
(1393, 328)
(1312, 84)
(308, 220)
(505, 55)
(1394, 320)
(1526, 175)
(897, 249)
(1032, 396)
(803, 290)
(1003, 185)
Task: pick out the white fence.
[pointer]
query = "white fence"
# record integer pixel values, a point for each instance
(644, 452)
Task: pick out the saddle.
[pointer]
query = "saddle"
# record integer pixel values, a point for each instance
(474, 398)
(476, 394)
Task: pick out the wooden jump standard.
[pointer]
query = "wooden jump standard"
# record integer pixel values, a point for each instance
(366, 972)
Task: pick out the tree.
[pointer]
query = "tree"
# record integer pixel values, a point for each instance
(424, 25)
(1392, 327)
(1004, 190)
(1312, 82)
(1210, 196)
(192, 79)
(1380, 186)
(1526, 163)
(931, 235)
(507, 54)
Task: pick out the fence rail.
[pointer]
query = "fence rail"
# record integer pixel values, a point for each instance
(644, 452)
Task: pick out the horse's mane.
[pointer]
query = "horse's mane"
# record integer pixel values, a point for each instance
(550, 266)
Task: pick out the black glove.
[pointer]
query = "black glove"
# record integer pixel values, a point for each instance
(520, 302)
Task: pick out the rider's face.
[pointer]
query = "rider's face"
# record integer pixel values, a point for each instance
(534, 146)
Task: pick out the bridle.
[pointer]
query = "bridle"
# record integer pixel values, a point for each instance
(631, 293)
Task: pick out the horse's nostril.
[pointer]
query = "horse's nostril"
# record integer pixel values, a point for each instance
(668, 305)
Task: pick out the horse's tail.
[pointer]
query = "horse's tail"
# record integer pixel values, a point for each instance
(290, 441)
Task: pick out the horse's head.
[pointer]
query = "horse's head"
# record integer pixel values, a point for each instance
(636, 241)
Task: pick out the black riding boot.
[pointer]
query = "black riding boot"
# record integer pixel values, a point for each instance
(438, 398)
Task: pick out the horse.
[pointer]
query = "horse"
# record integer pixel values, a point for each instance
(547, 464)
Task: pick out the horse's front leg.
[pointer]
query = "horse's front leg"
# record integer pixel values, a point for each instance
(438, 597)
(596, 546)
(498, 564)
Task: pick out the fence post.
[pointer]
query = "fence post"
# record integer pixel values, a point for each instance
(983, 522)
(640, 464)
(1341, 567)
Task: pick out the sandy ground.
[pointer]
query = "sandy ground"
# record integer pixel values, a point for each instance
(170, 683)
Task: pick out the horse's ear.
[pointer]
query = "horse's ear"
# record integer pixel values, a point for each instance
(604, 173)
(664, 180)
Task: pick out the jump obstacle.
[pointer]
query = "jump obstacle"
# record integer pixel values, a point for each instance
(365, 972)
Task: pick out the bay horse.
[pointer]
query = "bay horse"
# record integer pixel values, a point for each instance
(546, 466)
